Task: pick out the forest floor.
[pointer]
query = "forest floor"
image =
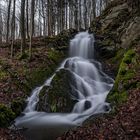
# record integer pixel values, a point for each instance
(18, 76)
(7, 134)
(123, 124)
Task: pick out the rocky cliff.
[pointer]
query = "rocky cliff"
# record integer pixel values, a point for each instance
(117, 33)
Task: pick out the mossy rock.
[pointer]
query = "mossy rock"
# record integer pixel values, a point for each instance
(58, 96)
(18, 106)
(62, 39)
(106, 49)
(43, 104)
(124, 82)
(117, 98)
(6, 115)
(55, 55)
(43, 91)
(125, 73)
(128, 56)
(39, 75)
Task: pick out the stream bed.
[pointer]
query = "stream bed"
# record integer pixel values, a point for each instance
(91, 87)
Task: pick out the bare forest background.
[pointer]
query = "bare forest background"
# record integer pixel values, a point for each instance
(25, 19)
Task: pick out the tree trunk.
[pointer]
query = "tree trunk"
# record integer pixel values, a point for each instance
(27, 19)
(85, 14)
(1, 26)
(22, 26)
(31, 27)
(8, 20)
(13, 28)
(76, 15)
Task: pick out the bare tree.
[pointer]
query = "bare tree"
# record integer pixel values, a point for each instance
(8, 20)
(31, 26)
(27, 18)
(22, 26)
(1, 25)
(47, 18)
(13, 28)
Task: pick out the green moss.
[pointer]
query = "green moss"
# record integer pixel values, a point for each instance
(38, 76)
(118, 98)
(124, 72)
(129, 75)
(23, 56)
(131, 85)
(58, 97)
(54, 107)
(43, 91)
(3, 74)
(128, 56)
(118, 57)
(124, 78)
(18, 105)
(138, 85)
(123, 69)
(55, 55)
(6, 115)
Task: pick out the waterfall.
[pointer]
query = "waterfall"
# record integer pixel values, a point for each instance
(92, 86)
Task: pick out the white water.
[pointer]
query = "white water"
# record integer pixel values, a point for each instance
(92, 87)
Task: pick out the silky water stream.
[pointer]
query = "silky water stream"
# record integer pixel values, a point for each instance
(92, 87)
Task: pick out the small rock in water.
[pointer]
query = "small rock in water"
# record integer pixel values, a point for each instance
(87, 105)
(106, 108)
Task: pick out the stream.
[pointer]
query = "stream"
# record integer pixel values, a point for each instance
(92, 87)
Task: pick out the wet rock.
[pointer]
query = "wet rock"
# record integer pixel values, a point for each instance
(108, 52)
(87, 104)
(58, 95)
(18, 105)
(43, 105)
(105, 49)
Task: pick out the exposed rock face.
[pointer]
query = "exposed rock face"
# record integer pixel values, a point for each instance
(131, 33)
(117, 43)
(57, 97)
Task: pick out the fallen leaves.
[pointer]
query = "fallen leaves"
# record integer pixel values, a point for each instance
(123, 126)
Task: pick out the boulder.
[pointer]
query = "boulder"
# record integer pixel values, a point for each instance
(58, 97)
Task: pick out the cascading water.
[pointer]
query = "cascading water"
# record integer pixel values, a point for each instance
(92, 86)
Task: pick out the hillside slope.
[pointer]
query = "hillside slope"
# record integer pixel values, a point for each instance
(117, 33)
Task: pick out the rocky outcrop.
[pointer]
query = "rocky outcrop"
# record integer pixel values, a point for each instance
(117, 44)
